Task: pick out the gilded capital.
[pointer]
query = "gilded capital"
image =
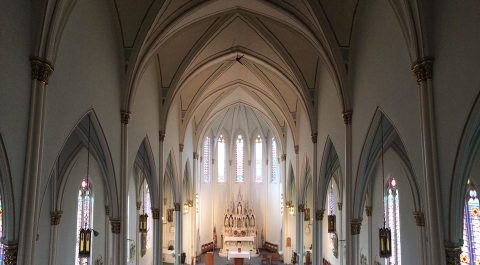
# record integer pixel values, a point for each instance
(368, 211)
(124, 117)
(107, 210)
(161, 136)
(284, 157)
(301, 208)
(139, 206)
(180, 147)
(41, 69)
(419, 218)
(297, 148)
(340, 206)
(452, 254)
(10, 251)
(55, 217)
(155, 213)
(355, 225)
(423, 69)
(314, 137)
(115, 223)
(347, 117)
(195, 155)
(177, 206)
(319, 215)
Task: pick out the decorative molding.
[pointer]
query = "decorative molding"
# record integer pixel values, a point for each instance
(319, 214)
(124, 116)
(10, 251)
(161, 135)
(340, 206)
(419, 218)
(195, 155)
(368, 211)
(423, 69)
(347, 117)
(301, 208)
(55, 217)
(41, 69)
(177, 206)
(115, 223)
(139, 206)
(180, 147)
(155, 213)
(453, 254)
(107, 210)
(355, 225)
(314, 137)
(297, 148)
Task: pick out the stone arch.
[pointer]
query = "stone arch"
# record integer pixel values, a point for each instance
(329, 166)
(145, 162)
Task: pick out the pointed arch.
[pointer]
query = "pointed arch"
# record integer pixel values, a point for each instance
(466, 160)
(6, 196)
(145, 162)
(329, 166)
(307, 181)
(171, 176)
(371, 151)
(187, 183)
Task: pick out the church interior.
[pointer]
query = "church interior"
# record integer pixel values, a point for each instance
(239, 132)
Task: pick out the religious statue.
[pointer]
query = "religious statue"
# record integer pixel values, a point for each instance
(230, 221)
(252, 221)
(239, 208)
(225, 221)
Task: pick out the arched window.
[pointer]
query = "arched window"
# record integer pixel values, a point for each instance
(331, 210)
(239, 159)
(84, 215)
(471, 230)
(147, 204)
(274, 162)
(206, 160)
(393, 220)
(258, 160)
(221, 158)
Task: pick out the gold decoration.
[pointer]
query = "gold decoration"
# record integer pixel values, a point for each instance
(177, 206)
(139, 206)
(368, 211)
(419, 218)
(319, 215)
(55, 217)
(124, 116)
(115, 223)
(347, 117)
(301, 208)
(155, 213)
(314, 137)
(453, 254)
(10, 251)
(41, 69)
(422, 69)
(355, 226)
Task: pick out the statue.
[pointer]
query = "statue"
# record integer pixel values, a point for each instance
(239, 208)
(225, 220)
(252, 221)
(230, 221)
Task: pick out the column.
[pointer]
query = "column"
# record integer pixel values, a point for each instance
(300, 207)
(368, 212)
(107, 235)
(116, 241)
(319, 231)
(316, 252)
(125, 117)
(179, 186)
(10, 251)
(54, 222)
(157, 251)
(347, 119)
(194, 214)
(420, 222)
(355, 225)
(178, 234)
(422, 69)
(341, 243)
(137, 232)
(41, 71)
(159, 242)
(285, 213)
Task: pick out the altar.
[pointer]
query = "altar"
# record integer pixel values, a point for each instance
(238, 256)
(239, 233)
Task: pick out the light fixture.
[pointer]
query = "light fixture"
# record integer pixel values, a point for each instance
(85, 233)
(187, 205)
(385, 235)
(290, 207)
(332, 222)
(142, 222)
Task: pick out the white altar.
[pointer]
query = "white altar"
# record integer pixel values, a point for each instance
(239, 234)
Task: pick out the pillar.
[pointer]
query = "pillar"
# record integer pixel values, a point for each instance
(125, 117)
(349, 255)
(420, 222)
(422, 69)
(300, 207)
(178, 231)
(116, 241)
(453, 252)
(54, 222)
(194, 213)
(157, 222)
(107, 235)
(316, 253)
(137, 232)
(285, 213)
(159, 246)
(41, 71)
(368, 212)
(341, 242)
(319, 231)
(355, 225)
(10, 251)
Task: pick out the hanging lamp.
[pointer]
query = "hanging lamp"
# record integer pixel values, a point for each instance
(385, 235)
(143, 217)
(332, 222)
(85, 233)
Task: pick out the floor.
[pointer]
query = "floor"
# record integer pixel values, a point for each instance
(224, 261)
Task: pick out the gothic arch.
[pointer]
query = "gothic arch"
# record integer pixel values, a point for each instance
(328, 168)
(145, 162)
(370, 154)
(170, 177)
(6, 195)
(466, 159)
(307, 181)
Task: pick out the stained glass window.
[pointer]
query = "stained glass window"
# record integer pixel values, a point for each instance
(84, 216)
(258, 160)
(221, 159)
(239, 159)
(393, 220)
(206, 160)
(274, 163)
(148, 210)
(471, 230)
(331, 210)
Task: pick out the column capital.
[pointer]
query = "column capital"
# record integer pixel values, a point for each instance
(139, 206)
(180, 147)
(284, 157)
(297, 148)
(314, 137)
(161, 135)
(115, 223)
(347, 117)
(124, 116)
(55, 217)
(355, 225)
(155, 213)
(340, 206)
(107, 210)
(368, 211)
(319, 214)
(423, 69)
(177, 206)
(10, 251)
(41, 69)
(195, 155)
(452, 253)
(301, 208)
(419, 218)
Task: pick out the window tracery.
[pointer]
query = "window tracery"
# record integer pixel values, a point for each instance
(258, 160)
(393, 220)
(471, 230)
(239, 153)
(221, 159)
(206, 160)
(274, 163)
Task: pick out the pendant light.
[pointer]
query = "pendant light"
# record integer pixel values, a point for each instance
(143, 217)
(331, 217)
(85, 231)
(384, 234)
